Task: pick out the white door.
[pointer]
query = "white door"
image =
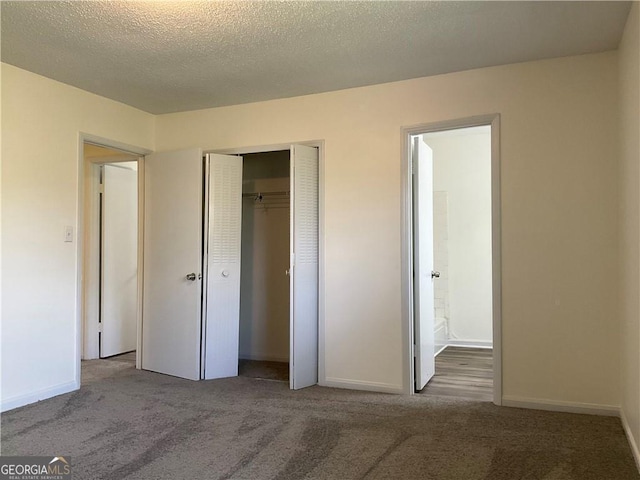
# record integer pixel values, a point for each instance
(223, 245)
(173, 250)
(423, 291)
(119, 260)
(303, 361)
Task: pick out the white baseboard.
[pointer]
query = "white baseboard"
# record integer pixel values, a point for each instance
(440, 350)
(560, 406)
(32, 397)
(263, 358)
(630, 439)
(360, 385)
(469, 343)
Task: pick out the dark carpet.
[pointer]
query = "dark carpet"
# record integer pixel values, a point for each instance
(265, 370)
(131, 424)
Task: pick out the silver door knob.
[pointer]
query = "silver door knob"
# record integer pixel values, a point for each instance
(435, 274)
(191, 277)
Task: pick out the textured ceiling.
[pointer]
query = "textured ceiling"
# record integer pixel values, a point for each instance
(173, 56)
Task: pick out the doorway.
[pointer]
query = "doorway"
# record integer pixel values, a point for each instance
(461, 245)
(111, 236)
(452, 259)
(264, 291)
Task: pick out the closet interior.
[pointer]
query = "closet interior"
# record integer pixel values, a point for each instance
(264, 286)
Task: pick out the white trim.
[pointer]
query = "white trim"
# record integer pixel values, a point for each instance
(630, 439)
(140, 261)
(360, 385)
(560, 406)
(32, 397)
(440, 351)
(407, 246)
(263, 358)
(470, 344)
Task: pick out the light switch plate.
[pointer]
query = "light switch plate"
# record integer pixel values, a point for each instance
(68, 234)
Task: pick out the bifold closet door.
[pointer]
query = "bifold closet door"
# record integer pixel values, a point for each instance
(173, 241)
(304, 244)
(423, 288)
(223, 246)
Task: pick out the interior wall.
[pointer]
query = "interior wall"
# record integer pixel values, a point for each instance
(559, 208)
(41, 124)
(629, 183)
(264, 285)
(441, 288)
(462, 169)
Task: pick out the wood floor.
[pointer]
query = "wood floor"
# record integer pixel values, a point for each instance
(463, 373)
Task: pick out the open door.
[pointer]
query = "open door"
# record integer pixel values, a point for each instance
(423, 291)
(119, 259)
(303, 361)
(223, 245)
(173, 241)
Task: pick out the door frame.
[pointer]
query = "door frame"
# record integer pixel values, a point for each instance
(319, 144)
(87, 283)
(492, 120)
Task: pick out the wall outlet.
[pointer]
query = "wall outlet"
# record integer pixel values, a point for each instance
(68, 234)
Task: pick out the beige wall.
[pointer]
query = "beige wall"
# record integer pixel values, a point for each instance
(559, 210)
(629, 179)
(41, 121)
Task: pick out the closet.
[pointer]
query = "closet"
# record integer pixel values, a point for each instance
(264, 279)
(193, 293)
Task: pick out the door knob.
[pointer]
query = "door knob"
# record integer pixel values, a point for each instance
(192, 277)
(435, 274)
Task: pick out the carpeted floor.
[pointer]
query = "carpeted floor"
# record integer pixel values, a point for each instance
(129, 424)
(278, 371)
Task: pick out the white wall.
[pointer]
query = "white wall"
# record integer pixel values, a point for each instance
(462, 169)
(441, 288)
(629, 182)
(41, 122)
(264, 295)
(559, 210)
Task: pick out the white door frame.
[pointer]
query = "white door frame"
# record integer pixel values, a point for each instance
(492, 120)
(321, 237)
(87, 281)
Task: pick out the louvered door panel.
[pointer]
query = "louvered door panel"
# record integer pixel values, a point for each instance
(223, 266)
(304, 268)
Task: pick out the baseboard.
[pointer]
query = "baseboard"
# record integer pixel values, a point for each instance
(359, 385)
(263, 358)
(22, 400)
(469, 343)
(560, 406)
(440, 350)
(630, 439)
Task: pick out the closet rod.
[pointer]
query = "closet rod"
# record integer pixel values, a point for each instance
(264, 194)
